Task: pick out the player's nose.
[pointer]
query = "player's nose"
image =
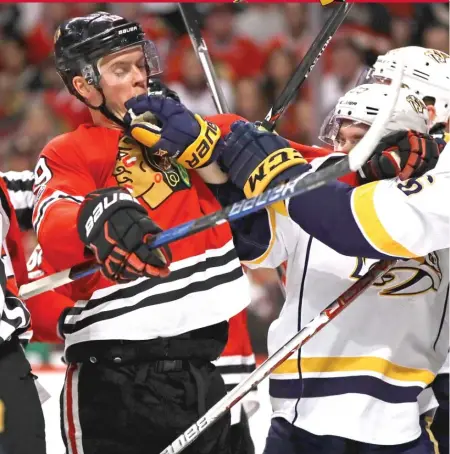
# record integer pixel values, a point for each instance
(139, 76)
(345, 148)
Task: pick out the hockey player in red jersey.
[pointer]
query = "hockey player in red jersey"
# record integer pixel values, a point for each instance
(141, 337)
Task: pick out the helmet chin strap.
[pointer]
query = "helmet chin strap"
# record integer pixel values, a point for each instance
(108, 114)
(102, 108)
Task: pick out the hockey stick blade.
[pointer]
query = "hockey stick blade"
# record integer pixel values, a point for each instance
(190, 18)
(292, 188)
(281, 355)
(306, 65)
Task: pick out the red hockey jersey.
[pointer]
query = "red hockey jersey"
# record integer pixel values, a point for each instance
(206, 285)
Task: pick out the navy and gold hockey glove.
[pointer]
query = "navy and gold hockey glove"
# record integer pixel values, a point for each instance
(255, 159)
(117, 228)
(185, 136)
(402, 154)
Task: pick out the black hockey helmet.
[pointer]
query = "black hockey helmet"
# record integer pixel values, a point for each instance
(80, 43)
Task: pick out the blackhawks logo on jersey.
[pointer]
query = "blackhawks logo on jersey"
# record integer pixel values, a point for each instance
(152, 178)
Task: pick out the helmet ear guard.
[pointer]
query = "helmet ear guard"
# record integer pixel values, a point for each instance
(81, 42)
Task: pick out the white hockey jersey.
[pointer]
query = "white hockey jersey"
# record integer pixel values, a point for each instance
(359, 378)
(389, 217)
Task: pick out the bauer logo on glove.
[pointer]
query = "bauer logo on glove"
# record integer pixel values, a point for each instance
(105, 203)
(117, 229)
(185, 136)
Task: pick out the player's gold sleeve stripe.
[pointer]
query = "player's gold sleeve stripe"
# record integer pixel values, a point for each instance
(356, 364)
(370, 224)
(273, 225)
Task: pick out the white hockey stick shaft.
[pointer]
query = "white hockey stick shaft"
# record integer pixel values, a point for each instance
(377, 130)
(190, 18)
(281, 355)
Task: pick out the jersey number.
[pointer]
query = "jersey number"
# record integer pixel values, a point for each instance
(415, 185)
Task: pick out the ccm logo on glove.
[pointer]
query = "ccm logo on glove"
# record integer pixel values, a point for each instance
(272, 166)
(103, 205)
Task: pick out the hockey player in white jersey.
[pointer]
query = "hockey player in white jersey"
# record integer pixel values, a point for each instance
(427, 73)
(354, 386)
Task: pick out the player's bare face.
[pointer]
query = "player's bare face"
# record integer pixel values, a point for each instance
(350, 133)
(123, 76)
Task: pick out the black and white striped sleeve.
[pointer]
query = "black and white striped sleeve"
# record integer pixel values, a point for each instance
(20, 190)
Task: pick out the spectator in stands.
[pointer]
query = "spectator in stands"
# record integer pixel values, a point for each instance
(295, 36)
(436, 37)
(193, 89)
(261, 22)
(235, 56)
(13, 60)
(250, 100)
(13, 104)
(347, 66)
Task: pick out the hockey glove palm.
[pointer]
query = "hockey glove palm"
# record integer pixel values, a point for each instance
(402, 154)
(116, 228)
(183, 136)
(255, 158)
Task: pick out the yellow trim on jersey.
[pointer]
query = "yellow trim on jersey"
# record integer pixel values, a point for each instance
(356, 364)
(372, 228)
(447, 137)
(428, 422)
(273, 225)
(280, 207)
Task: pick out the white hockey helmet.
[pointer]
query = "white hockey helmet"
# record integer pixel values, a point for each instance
(362, 104)
(427, 74)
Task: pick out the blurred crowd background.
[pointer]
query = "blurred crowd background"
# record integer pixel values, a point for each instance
(254, 47)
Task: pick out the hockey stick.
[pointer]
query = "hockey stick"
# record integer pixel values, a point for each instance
(283, 353)
(355, 159)
(306, 65)
(190, 18)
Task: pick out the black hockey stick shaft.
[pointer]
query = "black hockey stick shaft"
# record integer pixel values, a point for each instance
(306, 65)
(191, 22)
